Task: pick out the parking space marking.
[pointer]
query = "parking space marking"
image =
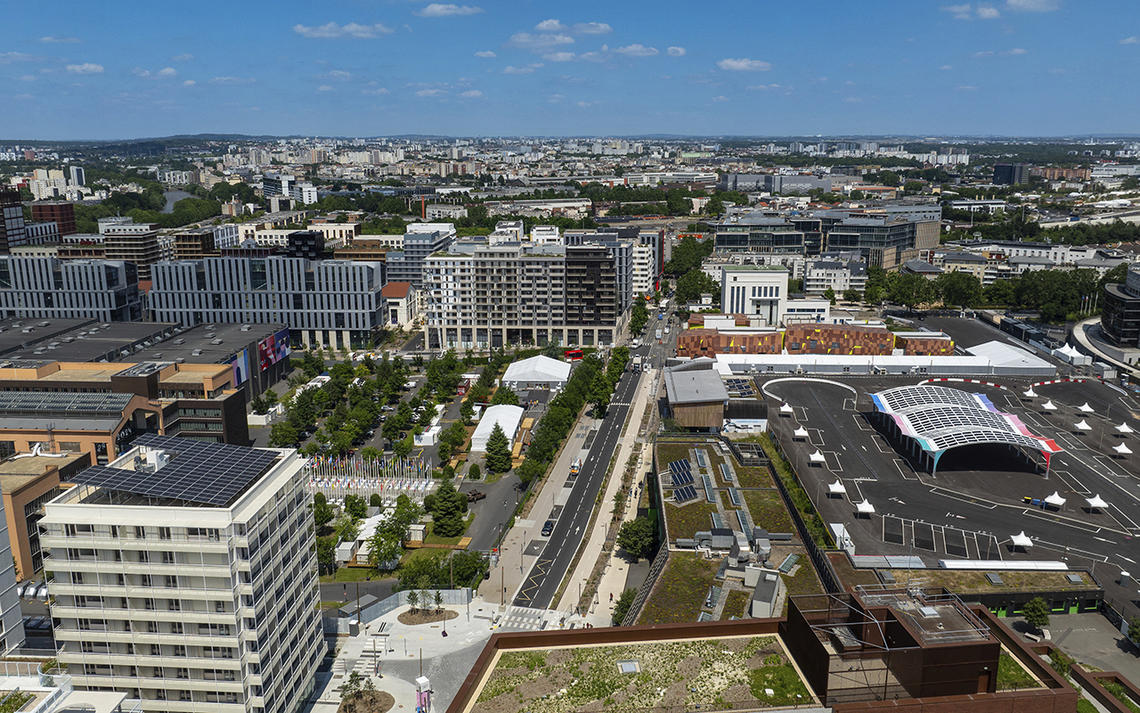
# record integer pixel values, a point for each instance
(955, 541)
(991, 549)
(923, 536)
(815, 436)
(892, 530)
(903, 468)
(848, 404)
(861, 424)
(833, 462)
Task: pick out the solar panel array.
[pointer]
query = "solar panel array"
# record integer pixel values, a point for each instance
(743, 387)
(681, 472)
(62, 402)
(902, 398)
(198, 471)
(745, 524)
(685, 493)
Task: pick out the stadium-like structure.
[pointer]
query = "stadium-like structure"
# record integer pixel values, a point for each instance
(938, 418)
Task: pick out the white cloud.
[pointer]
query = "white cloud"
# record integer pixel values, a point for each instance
(720, 98)
(984, 53)
(528, 69)
(471, 94)
(1033, 5)
(592, 28)
(485, 54)
(555, 98)
(987, 12)
(28, 77)
(559, 57)
(167, 72)
(140, 72)
(6, 57)
(324, 88)
(184, 57)
(966, 88)
(584, 104)
(676, 51)
(52, 39)
(539, 42)
(853, 100)
(164, 73)
(744, 64)
(1133, 40)
(339, 74)
(430, 92)
(85, 68)
(375, 91)
(946, 67)
(637, 50)
(550, 25)
(960, 12)
(231, 80)
(331, 30)
(189, 83)
(440, 9)
(1017, 50)
(763, 87)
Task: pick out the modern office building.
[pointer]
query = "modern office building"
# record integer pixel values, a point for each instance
(11, 220)
(185, 575)
(420, 241)
(195, 243)
(1120, 313)
(331, 303)
(274, 184)
(49, 288)
(1011, 174)
(124, 239)
(754, 291)
(481, 295)
(77, 175)
(62, 213)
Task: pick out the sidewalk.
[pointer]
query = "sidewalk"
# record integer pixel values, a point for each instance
(508, 575)
(613, 579)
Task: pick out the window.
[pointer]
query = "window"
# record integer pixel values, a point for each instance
(152, 627)
(174, 605)
(77, 578)
(176, 627)
(168, 558)
(179, 650)
(140, 532)
(155, 650)
(164, 533)
(182, 673)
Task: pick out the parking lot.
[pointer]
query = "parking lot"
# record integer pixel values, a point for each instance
(974, 504)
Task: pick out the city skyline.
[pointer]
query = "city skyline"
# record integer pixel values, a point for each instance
(504, 69)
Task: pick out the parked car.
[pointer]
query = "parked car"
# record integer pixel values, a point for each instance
(548, 528)
(475, 496)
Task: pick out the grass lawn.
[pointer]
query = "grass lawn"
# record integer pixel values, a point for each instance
(689, 519)
(1012, 675)
(805, 580)
(349, 574)
(680, 590)
(754, 477)
(431, 538)
(768, 511)
(669, 452)
(972, 581)
(736, 604)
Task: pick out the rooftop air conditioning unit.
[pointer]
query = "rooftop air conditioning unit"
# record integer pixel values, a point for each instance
(215, 341)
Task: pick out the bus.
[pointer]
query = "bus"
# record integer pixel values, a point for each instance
(573, 354)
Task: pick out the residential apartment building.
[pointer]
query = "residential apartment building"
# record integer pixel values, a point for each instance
(331, 303)
(28, 481)
(123, 239)
(11, 220)
(62, 213)
(481, 295)
(420, 241)
(11, 620)
(49, 288)
(836, 275)
(185, 575)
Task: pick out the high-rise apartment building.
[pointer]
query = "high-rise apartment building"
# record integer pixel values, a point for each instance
(12, 217)
(184, 574)
(1011, 174)
(49, 288)
(61, 213)
(77, 176)
(124, 239)
(420, 241)
(331, 303)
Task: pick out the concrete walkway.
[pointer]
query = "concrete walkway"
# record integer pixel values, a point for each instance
(617, 568)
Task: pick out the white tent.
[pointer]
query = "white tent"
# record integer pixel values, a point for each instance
(1030, 393)
(816, 457)
(1122, 449)
(1049, 406)
(865, 507)
(1085, 408)
(507, 417)
(800, 433)
(1055, 499)
(537, 371)
(1021, 540)
(1082, 426)
(785, 409)
(1125, 428)
(1096, 502)
(837, 488)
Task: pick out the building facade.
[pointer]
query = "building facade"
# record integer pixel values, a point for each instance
(1120, 315)
(754, 291)
(61, 213)
(49, 288)
(421, 240)
(188, 598)
(331, 303)
(11, 220)
(123, 239)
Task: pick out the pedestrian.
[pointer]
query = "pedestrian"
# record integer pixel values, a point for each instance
(611, 596)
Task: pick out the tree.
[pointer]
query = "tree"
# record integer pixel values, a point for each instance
(829, 295)
(403, 448)
(355, 506)
(637, 537)
(1134, 629)
(448, 507)
(498, 457)
(960, 289)
(351, 687)
(346, 527)
(910, 290)
(638, 316)
(322, 511)
(1036, 613)
(473, 472)
(375, 501)
(851, 295)
(504, 396)
(437, 599)
(693, 284)
(715, 206)
(283, 435)
(600, 391)
(326, 555)
(260, 405)
(622, 605)
(413, 599)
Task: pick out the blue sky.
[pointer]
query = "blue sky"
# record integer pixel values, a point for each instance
(491, 67)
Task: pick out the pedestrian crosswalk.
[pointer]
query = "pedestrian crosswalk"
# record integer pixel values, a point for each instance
(525, 619)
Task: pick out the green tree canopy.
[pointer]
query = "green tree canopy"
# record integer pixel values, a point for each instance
(498, 456)
(959, 288)
(637, 537)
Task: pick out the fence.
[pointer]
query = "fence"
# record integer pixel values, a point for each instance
(374, 610)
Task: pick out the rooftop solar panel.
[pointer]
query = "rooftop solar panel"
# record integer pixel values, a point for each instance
(682, 478)
(685, 493)
(198, 471)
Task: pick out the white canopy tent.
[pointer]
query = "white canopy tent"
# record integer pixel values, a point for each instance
(800, 434)
(537, 371)
(1082, 425)
(1029, 393)
(507, 417)
(1049, 406)
(836, 489)
(1125, 428)
(1021, 540)
(785, 409)
(816, 458)
(1085, 408)
(1122, 449)
(865, 507)
(1096, 502)
(1055, 500)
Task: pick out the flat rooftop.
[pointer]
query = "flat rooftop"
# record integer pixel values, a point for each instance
(226, 340)
(75, 339)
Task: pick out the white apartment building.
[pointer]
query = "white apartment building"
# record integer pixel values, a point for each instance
(49, 288)
(836, 275)
(330, 303)
(11, 621)
(644, 269)
(755, 291)
(336, 232)
(444, 211)
(184, 574)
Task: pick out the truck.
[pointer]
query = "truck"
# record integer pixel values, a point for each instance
(637, 364)
(575, 467)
